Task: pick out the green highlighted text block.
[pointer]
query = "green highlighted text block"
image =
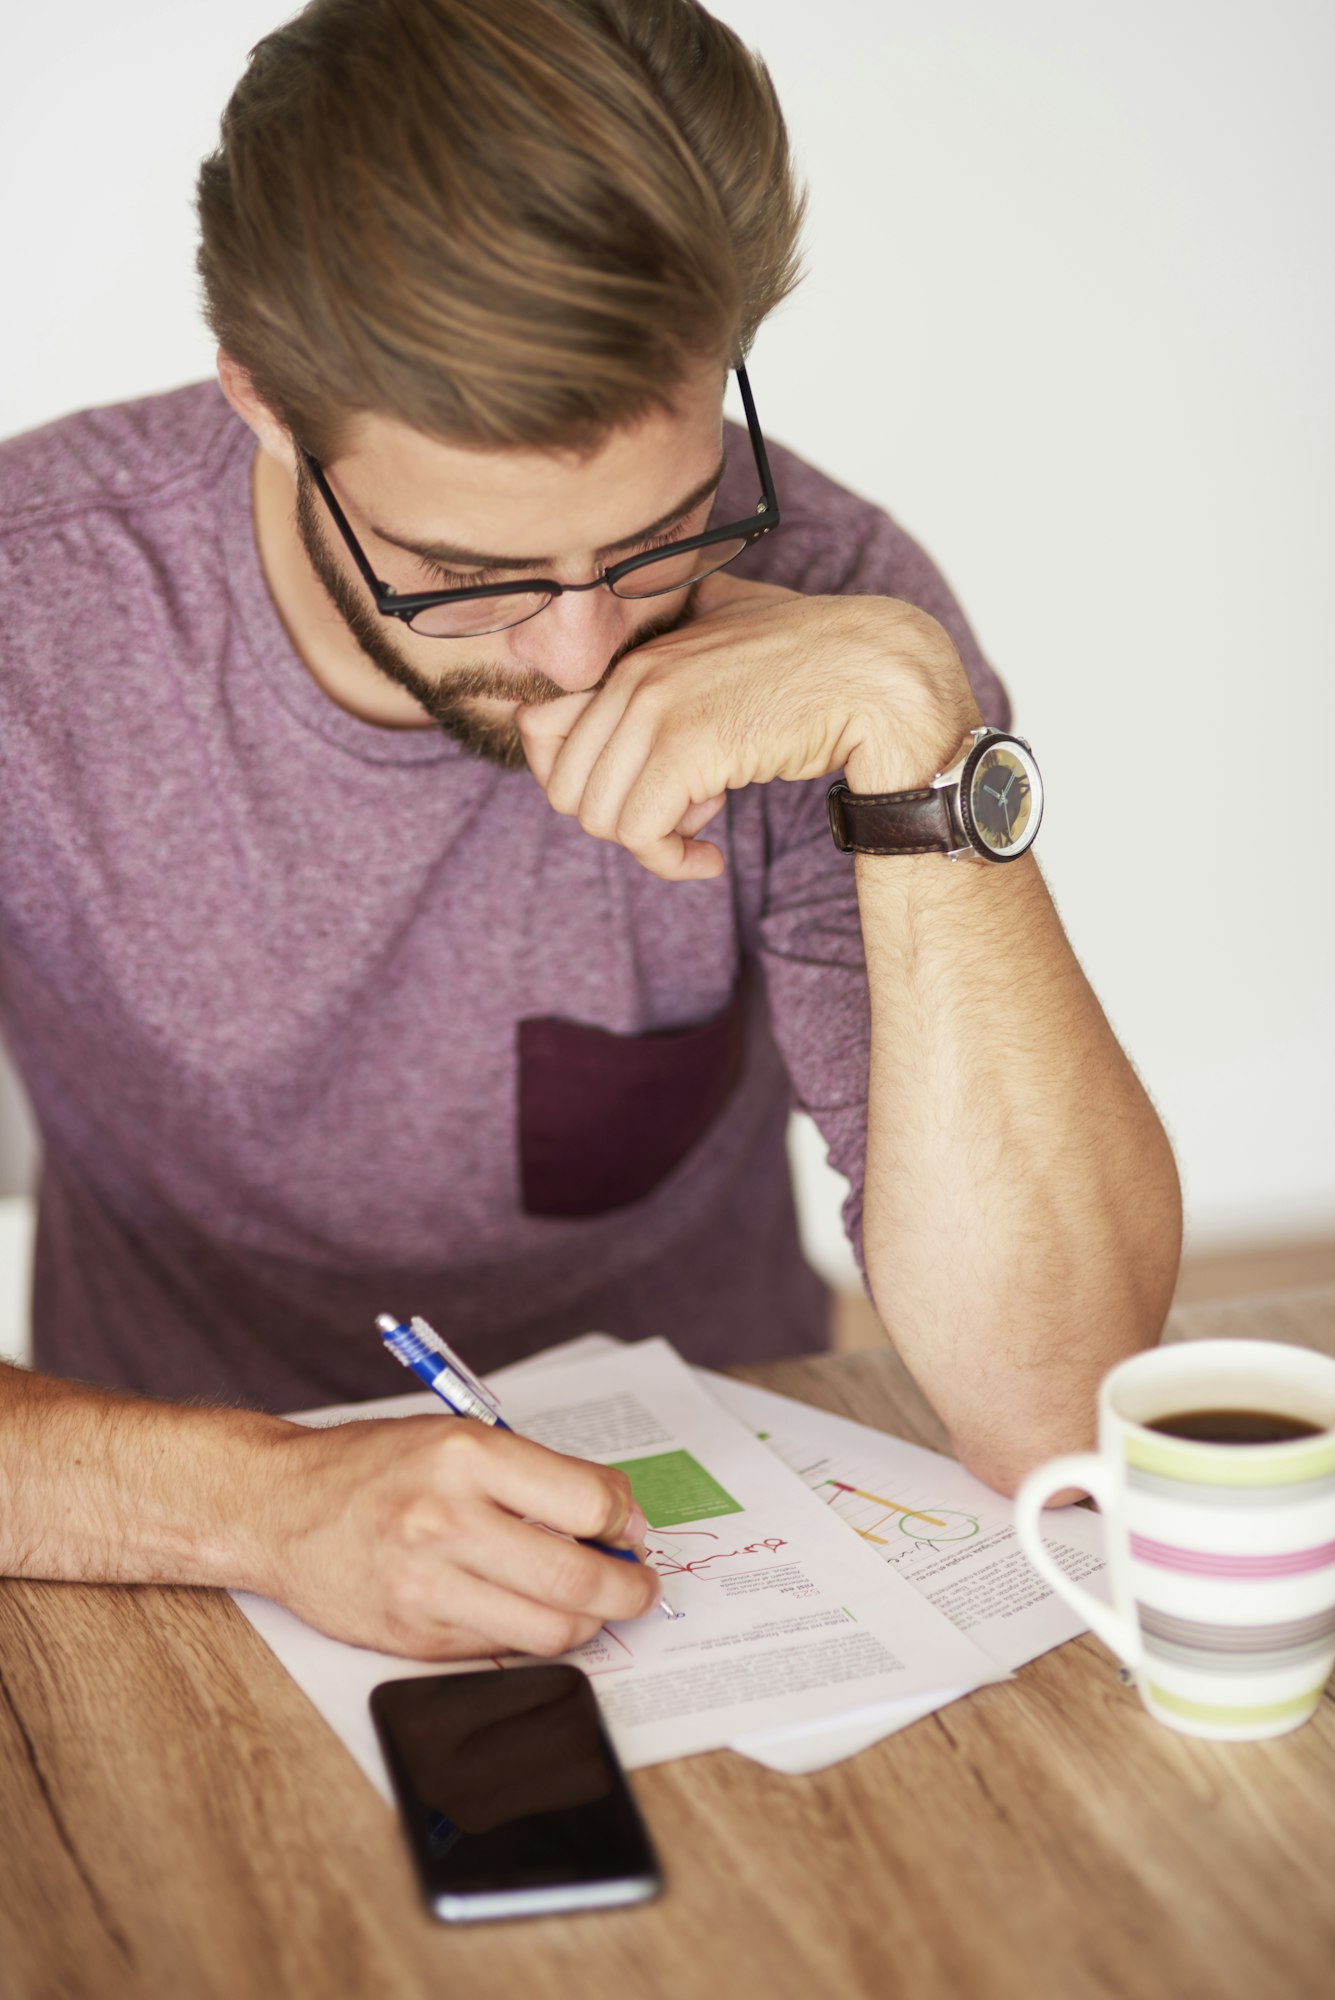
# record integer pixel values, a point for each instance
(673, 1487)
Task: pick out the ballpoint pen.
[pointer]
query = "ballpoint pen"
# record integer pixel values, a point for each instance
(420, 1348)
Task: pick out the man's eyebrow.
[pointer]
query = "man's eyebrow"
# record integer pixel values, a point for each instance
(450, 557)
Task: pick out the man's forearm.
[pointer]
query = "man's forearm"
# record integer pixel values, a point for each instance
(1022, 1221)
(410, 1535)
(101, 1487)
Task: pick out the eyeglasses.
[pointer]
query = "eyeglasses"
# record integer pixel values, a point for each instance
(492, 607)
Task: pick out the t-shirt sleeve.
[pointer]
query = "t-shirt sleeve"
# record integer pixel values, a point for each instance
(808, 937)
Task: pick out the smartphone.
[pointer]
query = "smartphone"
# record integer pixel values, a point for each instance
(511, 1796)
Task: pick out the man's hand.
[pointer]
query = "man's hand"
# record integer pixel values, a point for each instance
(416, 1535)
(759, 683)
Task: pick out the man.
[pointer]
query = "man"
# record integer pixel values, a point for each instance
(418, 886)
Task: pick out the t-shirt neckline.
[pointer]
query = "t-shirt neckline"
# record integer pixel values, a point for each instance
(275, 657)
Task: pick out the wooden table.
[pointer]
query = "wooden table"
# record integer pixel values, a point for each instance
(178, 1821)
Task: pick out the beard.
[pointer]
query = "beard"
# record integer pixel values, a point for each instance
(451, 698)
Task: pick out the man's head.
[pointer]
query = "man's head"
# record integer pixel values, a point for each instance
(415, 503)
(489, 262)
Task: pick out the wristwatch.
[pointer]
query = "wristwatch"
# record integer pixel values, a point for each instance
(986, 807)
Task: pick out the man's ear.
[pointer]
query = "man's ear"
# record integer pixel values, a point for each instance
(241, 393)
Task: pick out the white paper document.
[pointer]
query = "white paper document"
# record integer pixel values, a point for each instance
(938, 1526)
(940, 1529)
(932, 1522)
(790, 1619)
(924, 1515)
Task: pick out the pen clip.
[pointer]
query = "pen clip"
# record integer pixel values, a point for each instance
(425, 1331)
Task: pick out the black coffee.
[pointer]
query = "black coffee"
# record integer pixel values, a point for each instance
(1235, 1426)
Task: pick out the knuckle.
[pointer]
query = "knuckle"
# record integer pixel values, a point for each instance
(604, 1503)
(628, 826)
(424, 1518)
(463, 1447)
(594, 820)
(652, 694)
(639, 824)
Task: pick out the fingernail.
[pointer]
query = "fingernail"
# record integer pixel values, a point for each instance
(636, 1525)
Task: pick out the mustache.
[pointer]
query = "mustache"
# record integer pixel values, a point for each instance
(523, 684)
(530, 686)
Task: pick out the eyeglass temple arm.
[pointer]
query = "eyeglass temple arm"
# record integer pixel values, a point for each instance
(376, 585)
(757, 442)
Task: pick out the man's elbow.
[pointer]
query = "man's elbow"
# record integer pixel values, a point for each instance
(1003, 1445)
(1004, 1463)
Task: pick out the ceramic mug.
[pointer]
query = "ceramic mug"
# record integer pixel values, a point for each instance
(1221, 1556)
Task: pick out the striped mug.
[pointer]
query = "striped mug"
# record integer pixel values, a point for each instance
(1221, 1556)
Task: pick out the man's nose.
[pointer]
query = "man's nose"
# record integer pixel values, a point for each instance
(575, 637)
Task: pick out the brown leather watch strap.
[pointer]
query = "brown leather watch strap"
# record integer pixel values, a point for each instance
(891, 822)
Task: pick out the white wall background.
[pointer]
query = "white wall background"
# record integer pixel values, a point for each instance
(1070, 315)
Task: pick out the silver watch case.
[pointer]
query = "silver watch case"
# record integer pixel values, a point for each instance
(957, 784)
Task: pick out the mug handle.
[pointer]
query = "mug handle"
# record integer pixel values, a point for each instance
(1095, 1476)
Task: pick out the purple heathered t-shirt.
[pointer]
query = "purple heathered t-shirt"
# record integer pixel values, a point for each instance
(320, 1019)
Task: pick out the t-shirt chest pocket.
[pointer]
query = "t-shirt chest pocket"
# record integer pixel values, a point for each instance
(605, 1118)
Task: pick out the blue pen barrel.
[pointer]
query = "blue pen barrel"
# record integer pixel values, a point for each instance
(425, 1370)
(409, 1348)
(420, 1348)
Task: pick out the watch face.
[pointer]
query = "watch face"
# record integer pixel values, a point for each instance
(1003, 799)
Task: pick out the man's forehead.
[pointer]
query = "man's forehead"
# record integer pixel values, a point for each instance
(462, 503)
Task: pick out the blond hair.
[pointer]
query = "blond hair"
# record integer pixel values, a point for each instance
(502, 222)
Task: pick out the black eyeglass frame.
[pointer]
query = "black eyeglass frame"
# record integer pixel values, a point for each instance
(406, 605)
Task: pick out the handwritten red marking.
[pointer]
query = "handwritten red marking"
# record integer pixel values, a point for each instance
(669, 1565)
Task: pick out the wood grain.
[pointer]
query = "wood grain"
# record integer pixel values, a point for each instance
(178, 1821)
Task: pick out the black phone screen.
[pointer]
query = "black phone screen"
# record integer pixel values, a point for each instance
(511, 1794)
